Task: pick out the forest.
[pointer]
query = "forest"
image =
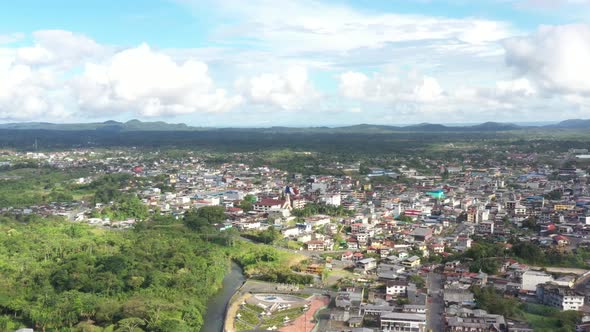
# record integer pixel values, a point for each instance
(361, 141)
(63, 276)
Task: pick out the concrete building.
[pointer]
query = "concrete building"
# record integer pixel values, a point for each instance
(403, 322)
(396, 287)
(561, 297)
(530, 279)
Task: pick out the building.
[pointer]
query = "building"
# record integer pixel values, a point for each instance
(476, 321)
(459, 296)
(421, 234)
(413, 261)
(403, 322)
(561, 297)
(315, 245)
(266, 205)
(486, 227)
(358, 227)
(396, 288)
(530, 279)
(367, 264)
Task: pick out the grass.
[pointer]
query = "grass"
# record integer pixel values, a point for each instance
(254, 308)
(278, 318)
(547, 319)
(542, 323)
(248, 316)
(241, 326)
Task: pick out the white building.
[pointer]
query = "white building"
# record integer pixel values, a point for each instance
(396, 288)
(530, 279)
(561, 297)
(266, 205)
(332, 199)
(403, 322)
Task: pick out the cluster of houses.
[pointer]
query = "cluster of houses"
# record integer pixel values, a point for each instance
(390, 234)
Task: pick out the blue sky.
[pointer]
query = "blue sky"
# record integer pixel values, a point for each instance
(297, 63)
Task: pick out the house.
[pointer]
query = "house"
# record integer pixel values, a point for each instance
(359, 228)
(347, 256)
(486, 227)
(357, 256)
(350, 298)
(561, 240)
(417, 308)
(530, 279)
(315, 245)
(367, 264)
(558, 296)
(396, 288)
(476, 321)
(362, 238)
(437, 248)
(266, 205)
(421, 234)
(402, 321)
(411, 262)
(290, 232)
(352, 244)
(458, 296)
(389, 271)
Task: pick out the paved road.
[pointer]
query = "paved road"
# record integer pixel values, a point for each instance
(435, 305)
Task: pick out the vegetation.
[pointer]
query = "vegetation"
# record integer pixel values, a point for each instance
(312, 209)
(202, 219)
(487, 256)
(55, 274)
(268, 236)
(542, 318)
(22, 187)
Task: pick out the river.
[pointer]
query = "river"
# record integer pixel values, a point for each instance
(215, 315)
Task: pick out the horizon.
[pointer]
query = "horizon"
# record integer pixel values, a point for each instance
(400, 125)
(332, 63)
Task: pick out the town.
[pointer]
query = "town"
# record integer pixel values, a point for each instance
(463, 243)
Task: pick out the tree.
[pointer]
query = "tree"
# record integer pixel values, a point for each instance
(199, 220)
(131, 324)
(417, 280)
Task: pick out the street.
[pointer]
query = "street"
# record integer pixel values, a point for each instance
(435, 303)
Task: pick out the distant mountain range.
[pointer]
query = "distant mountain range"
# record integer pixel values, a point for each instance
(136, 125)
(131, 125)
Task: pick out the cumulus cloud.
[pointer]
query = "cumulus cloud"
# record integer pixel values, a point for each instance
(60, 48)
(389, 86)
(150, 83)
(289, 90)
(555, 58)
(27, 93)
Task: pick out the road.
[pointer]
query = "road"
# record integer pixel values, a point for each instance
(435, 304)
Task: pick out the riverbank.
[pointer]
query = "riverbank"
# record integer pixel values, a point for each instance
(218, 305)
(232, 310)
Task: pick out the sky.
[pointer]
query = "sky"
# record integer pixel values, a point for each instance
(235, 63)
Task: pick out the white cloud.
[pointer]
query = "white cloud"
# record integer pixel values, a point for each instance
(11, 38)
(555, 58)
(390, 86)
(307, 25)
(289, 90)
(60, 48)
(150, 83)
(30, 94)
(353, 84)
